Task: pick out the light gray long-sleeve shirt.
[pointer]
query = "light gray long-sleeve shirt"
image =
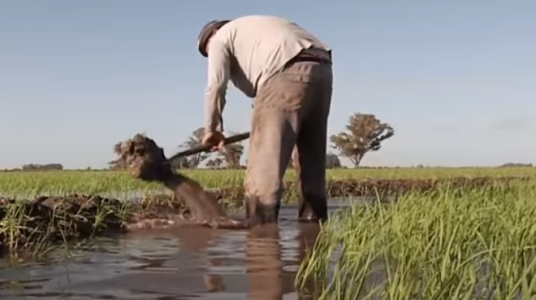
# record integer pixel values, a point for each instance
(248, 51)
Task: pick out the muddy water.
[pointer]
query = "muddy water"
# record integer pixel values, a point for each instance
(186, 263)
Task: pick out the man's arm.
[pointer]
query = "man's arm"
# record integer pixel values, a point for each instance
(218, 78)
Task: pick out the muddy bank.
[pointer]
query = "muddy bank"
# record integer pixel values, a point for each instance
(394, 187)
(59, 219)
(77, 217)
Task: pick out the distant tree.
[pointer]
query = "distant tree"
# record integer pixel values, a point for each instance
(516, 165)
(53, 166)
(210, 164)
(40, 167)
(232, 153)
(218, 162)
(181, 163)
(195, 141)
(364, 133)
(214, 163)
(332, 161)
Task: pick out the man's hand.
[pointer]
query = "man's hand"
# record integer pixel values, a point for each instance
(214, 139)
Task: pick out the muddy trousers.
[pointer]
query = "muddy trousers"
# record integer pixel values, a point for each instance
(291, 110)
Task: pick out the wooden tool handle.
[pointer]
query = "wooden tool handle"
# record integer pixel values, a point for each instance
(202, 148)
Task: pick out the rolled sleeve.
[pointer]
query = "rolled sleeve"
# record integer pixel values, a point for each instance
(218, 78)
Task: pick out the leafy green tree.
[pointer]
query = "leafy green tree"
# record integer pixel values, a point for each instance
(232, 154)
(40, 167)
(218, 162)
(364, 133)
(194, 141)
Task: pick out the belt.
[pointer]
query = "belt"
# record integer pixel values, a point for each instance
(308, 58)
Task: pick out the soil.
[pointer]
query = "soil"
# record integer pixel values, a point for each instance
(76, 217)
(145, 159)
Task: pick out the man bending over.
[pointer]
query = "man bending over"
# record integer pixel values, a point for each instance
(288, 72)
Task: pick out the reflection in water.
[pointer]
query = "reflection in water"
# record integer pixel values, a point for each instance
(307, 238)
(269, 280)
(195, 241)
(263, 264)
(186, 263)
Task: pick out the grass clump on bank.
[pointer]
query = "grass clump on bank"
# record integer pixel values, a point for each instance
(37, 225)
(477, 245)
(40, 225)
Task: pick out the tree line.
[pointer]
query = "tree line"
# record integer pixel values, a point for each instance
(37, 167)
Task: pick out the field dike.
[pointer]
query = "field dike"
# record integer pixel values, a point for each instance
(48, 219)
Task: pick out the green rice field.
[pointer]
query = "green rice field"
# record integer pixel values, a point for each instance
(120, 184)
(479, 244)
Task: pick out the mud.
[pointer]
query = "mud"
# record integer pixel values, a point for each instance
(148, 163)
(145, 159)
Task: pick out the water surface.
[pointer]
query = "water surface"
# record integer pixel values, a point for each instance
(184, 263)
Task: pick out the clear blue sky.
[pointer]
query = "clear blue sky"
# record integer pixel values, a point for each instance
(455, 78)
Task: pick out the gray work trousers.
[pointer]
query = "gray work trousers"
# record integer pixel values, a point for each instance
(291, 110)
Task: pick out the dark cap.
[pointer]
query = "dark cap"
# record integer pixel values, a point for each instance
(206, 33)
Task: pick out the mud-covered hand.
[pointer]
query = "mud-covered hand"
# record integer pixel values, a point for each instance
(214, 139)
